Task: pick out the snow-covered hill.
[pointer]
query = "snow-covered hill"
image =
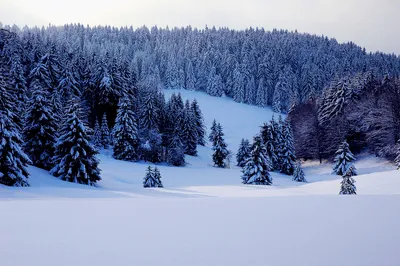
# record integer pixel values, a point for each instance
(204, 215)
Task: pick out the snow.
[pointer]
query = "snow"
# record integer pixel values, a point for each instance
(204, 215)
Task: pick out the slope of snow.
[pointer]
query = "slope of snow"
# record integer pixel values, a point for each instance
(204, 215)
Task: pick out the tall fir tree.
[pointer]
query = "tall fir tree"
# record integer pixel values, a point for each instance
(75, 158)
(288, 154)
(40, 130)
(344, 161)
(267, 134)
(256, 169)
(105, 139)
(298, 173)
(176, 152)
(199, 121)
(189, 131)
(96, 139)
(219, 147)
(13, 161)
(397, 159)
(213, 131)
(243, 153)
(126, 135)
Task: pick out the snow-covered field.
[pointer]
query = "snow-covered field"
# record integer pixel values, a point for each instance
(204, 215)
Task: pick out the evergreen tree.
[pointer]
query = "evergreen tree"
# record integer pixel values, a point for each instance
(298, 174)
(126, 136)
(75, 159)
(397, 160)
(243, 153)
(347, 185)
(189, 131)
(344, 161)
(176, 152)
(199, 121)
(219, 147)
(97, 135)
(40, 130)
(288, 156)
(13, 161)
(152, 178)
(213, 131)
(105, 139)
(256, 169)
(267, 135)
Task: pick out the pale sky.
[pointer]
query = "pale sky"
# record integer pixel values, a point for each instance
(373, 24)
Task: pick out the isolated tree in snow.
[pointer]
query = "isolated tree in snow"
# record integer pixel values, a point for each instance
(152, 178)
(40, 130)
(256, 169)
(219, 147)
(243, 153)
(105, 133)
(347, 185)
(75, 159)
(199, 121)
(344, 161)
(298, 174)
(126, 136)
(13, 161)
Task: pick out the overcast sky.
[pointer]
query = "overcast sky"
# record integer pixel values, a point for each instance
(373, 24)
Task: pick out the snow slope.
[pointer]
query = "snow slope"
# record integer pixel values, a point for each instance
(204, 215)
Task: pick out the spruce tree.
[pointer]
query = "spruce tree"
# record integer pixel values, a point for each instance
(347, 185)
(344, 161)
(397, 159)
(288, 156)
(105, 139)
(213, 131)
(219, 147)
(75, 159)
(96, 140)
(176, 152)
(267, 135)
(152, 178)
(13, 161)
(256, 169)
(189, 131)
(40, 130)
(298, 174)
(126, 136)
(243, 153)
(199, 121)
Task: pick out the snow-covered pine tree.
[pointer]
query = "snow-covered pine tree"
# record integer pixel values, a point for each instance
(243, 153)
(105, 133)
(288, 155)
(200, 127)
(347, 185)
(298, 173)
(219, 148)
(344, 161)
(256, 169)
(96, 140)
(126, 136)
(176, 152)
(13, 161)
(213, 131)
(152, 178)
(40, 130)
(397, 159)
(75, 159)
(267, 135)
(189, 131)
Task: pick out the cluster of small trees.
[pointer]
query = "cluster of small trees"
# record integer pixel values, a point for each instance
(271, 150)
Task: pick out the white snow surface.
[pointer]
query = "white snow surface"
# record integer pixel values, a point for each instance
(204, 215)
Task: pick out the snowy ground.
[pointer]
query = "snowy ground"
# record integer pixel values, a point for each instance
(204, 215)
